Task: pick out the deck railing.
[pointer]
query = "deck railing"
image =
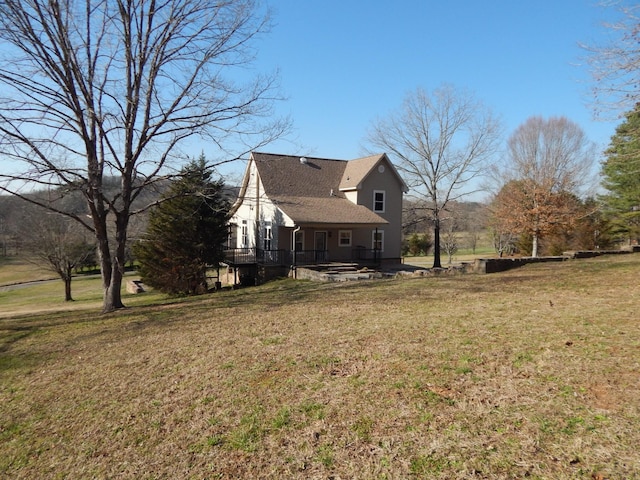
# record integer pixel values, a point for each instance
(365, 255)
(310, 257)
(240, 256)
(249, 256)
(252, 256)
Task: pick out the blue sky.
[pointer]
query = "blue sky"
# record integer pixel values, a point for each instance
(343, 63)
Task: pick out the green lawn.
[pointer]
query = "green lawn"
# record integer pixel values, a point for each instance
(531, 373)
(45, 292)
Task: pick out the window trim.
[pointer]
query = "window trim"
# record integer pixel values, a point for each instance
(383, 201)
(349, 238)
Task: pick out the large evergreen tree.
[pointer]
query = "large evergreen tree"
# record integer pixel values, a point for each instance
(621, 176)
(185, 233)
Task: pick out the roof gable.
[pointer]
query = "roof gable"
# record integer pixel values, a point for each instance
(359, 169)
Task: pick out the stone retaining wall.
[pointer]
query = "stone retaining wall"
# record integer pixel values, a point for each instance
(494, 265)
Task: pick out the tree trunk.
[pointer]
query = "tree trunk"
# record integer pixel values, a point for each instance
(107, 271)
(67, 287)
(534, 246)
(436, 244)
(112, 299)
(111, 267)
(113, 290)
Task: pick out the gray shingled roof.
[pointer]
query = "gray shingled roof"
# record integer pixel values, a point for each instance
(309, 192)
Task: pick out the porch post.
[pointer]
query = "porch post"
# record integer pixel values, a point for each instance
(296, 229)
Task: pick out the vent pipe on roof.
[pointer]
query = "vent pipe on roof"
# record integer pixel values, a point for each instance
(303, 160)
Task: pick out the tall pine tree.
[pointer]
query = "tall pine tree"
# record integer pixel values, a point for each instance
(621, 177)
(185, 234)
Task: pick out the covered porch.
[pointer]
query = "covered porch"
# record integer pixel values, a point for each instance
(317, 243)
(282, 250)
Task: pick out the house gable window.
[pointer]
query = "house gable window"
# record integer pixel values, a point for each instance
(379, 198)
(377, 240)
(344, 238)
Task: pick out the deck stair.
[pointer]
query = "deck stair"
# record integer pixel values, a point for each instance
(338, 268)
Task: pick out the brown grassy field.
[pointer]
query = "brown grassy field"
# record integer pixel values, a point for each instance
(532, 373)
(16, 270)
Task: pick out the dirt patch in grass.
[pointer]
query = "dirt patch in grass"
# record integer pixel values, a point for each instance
(529, 373)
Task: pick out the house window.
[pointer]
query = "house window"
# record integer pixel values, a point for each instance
(378, 201)
(268, 236)
(377, 240)
(299, 242)
(244, 234)
(232, 231)
(344, 238)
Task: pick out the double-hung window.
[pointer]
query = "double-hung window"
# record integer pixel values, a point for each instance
(244, 234)
(379, 201)
(344, 238)
(268, 236)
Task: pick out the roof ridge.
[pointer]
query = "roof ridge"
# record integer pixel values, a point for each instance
(285, 155)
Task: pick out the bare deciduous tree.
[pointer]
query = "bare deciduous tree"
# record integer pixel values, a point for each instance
(549, 162)
(441, 142)
(93, 89)
(615, 65)
(503, 240)
(450, 240)
(57, 243)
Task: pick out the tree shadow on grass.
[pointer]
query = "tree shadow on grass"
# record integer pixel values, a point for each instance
(13, 361)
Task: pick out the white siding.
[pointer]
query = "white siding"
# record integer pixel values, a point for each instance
(256, 209)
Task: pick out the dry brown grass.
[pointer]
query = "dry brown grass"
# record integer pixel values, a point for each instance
(530, 373)
(16, 270)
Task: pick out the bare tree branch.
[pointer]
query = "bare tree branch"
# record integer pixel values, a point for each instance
(615, 64)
